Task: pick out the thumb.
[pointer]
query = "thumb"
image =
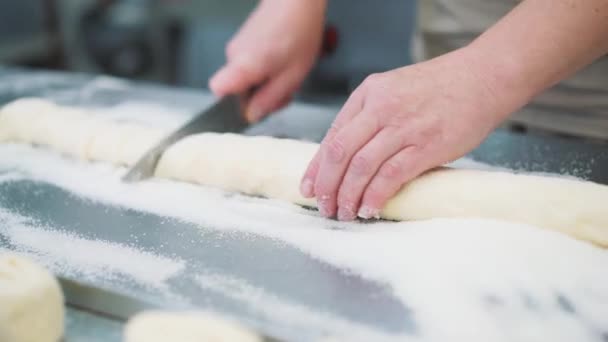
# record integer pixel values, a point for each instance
(237, 76)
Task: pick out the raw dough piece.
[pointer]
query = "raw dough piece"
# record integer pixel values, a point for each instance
(273, 167)
(257, 165)
(75, 132)
(158, 326)
(31, 302)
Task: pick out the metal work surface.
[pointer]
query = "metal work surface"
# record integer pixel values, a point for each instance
(265, 282)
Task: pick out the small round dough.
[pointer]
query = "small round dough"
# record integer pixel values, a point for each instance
(162, 326)
(31, 302)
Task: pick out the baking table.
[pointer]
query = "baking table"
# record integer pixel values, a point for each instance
(264, 282)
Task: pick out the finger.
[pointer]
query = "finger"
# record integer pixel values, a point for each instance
(272, 94)
(237, 76)
(335, 157)
(396, 171)
(362, 168)
(352, 107)
(283, 103)
(307, 184)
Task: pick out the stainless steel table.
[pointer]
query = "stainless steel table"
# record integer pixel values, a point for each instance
(275, 268)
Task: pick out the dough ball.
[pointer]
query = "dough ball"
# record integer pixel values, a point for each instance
(158, 326)
(31, 302)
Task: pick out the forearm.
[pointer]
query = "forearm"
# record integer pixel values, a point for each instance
(538, 44)
(312, 7)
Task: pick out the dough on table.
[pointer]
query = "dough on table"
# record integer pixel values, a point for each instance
(31, 302)
(75, 132)
(160, 326)
(272, 168)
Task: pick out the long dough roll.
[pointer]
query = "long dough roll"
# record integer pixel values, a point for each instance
(272, 168)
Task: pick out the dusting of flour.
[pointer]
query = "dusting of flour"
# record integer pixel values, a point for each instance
(96, 261)
(472, 279)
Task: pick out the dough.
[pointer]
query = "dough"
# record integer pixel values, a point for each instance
(31, 302)
(75, 132)
(232, 162)
(256, 165)
(153, 326)
(272, 168)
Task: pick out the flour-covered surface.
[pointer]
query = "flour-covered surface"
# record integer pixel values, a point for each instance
(283, 269)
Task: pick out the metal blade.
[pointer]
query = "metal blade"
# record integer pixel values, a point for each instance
(226, 115)
(110, 304)
(102, 302)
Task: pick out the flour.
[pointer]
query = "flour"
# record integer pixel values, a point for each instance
(450, 272)
(93, 260)
(291, 315)
(474, 280)
(146, 114)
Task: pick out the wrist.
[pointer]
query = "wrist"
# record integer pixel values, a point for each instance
(314, 6)
(506, 80)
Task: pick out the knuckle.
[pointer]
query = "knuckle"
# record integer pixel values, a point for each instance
(361, 164)
(374, 195)
(392, 170)
(333, 129)
(231, 49)
(335, 150)
(372, 80)
(331, 132)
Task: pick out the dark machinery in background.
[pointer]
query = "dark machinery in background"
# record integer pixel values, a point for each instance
(115, 37)
(182, 42)
(29, 33)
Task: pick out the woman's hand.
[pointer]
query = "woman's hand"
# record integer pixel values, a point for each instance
(398, 124)
(275, 49)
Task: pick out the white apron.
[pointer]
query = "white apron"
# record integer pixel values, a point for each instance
(576, 106)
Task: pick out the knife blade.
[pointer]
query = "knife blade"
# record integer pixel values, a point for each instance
(113, 305)
(102, 302)
(226, 115)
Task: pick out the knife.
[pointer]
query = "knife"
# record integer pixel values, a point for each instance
(113, 305)
(226, 115)
(102, 302)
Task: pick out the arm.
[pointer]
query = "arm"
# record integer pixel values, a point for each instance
(540, 43)
(398, 124)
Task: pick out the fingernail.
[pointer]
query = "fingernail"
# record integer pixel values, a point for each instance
(322, 204)
(306, 188)
(216, 83)
(346, 213)
(367, 212)
(253, 114)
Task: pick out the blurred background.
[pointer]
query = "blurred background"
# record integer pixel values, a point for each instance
(181, 42)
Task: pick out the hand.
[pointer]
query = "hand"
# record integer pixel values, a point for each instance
(398, 124)
(275, 48)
